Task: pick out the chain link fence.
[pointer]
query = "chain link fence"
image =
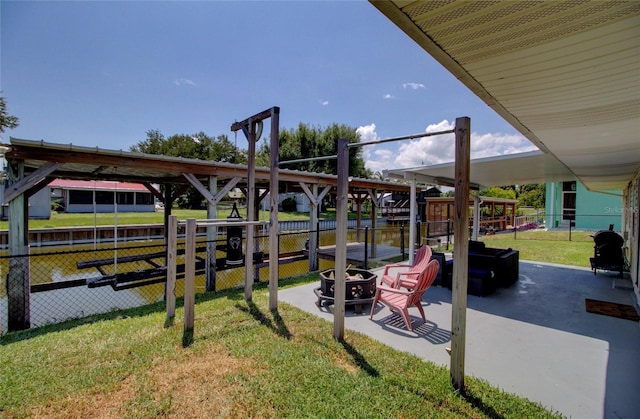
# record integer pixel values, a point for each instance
(74, 281)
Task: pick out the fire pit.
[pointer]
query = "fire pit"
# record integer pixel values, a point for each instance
(360, 287)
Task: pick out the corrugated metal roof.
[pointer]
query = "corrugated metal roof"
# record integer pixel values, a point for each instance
(102, 185)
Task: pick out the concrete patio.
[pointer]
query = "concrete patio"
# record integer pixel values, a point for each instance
(535, 339)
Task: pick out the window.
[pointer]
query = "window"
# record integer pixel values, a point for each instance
(80, 197)
(143, 198)
(568, 200)
(125, 198)
(104, 197)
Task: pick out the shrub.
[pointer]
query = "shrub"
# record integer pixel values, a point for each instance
(289, 204)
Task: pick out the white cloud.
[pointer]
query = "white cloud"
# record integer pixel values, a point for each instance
(435, 149)
(413, 86)
(367, 133)
(324, 102)
(181, 82)
(388, 96)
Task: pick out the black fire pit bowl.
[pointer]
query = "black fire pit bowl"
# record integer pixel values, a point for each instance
(359, 284)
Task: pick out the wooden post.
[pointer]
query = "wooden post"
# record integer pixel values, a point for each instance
(189, 274)
(251, 196)
(172, 239)
(341, 239)
(476, 215)
(315, 201)
(274, 264)
(358, 200)
(313, 237)
(412, 220)
(212, 236)
(461, 260)
(18, 281)
(374, 224)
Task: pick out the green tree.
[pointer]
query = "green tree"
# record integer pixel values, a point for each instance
(6, 120)
(307, 141)
(197, 146)
(497, 192)
(532, 195)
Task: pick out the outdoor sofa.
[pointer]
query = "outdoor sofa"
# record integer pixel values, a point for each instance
(489, 268)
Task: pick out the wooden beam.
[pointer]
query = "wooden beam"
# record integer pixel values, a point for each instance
(154, 191)
(212, 199)
(161, 169)
(24, 184)
(268, 113)
(39, 186)
(461, 263)
(175, 194)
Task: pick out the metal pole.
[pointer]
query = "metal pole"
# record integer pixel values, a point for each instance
(405, 137)
(412, 220)
(402, 241)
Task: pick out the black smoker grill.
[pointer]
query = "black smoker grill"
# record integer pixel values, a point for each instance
(608, 254)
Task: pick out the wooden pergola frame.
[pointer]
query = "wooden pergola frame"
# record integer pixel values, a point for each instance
(32, 165)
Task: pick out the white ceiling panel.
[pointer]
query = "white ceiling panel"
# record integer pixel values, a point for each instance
(566, 74)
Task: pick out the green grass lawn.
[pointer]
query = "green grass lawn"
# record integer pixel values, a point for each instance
(547, 246)
(244, 361)
(126, 218)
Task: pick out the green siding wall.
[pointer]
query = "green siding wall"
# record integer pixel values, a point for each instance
(594, 210)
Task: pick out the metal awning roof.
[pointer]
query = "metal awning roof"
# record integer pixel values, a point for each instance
(566, 74)
(519, 169)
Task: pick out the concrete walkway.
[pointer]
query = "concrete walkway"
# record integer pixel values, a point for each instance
(534, 339)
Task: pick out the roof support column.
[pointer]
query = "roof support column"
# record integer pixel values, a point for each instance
(376, 201)
(274, 257)
(251, 209)
(212, 236)
(461, 240)
(341, 238)
(18, 278)
(476, 215)
(412, 220)
(315, 200)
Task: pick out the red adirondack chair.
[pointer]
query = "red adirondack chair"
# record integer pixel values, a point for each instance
(401, 300)
(396, 272)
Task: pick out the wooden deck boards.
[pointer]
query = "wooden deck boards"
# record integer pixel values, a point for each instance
(355, 253)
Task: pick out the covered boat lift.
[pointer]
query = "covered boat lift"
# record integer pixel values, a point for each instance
(34, 164)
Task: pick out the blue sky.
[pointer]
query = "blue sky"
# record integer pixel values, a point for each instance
(104, 73)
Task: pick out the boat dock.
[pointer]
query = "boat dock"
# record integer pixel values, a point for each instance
(356, 253)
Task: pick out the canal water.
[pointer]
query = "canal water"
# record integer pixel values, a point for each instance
(60, 264)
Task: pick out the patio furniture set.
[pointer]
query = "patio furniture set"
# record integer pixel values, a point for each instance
(402, 285)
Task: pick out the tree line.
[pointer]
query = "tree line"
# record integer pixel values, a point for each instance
(301, 142)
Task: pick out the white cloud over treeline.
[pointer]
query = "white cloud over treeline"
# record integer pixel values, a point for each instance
(435, 149)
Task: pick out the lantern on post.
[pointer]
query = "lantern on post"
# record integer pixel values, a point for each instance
(234, 239)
